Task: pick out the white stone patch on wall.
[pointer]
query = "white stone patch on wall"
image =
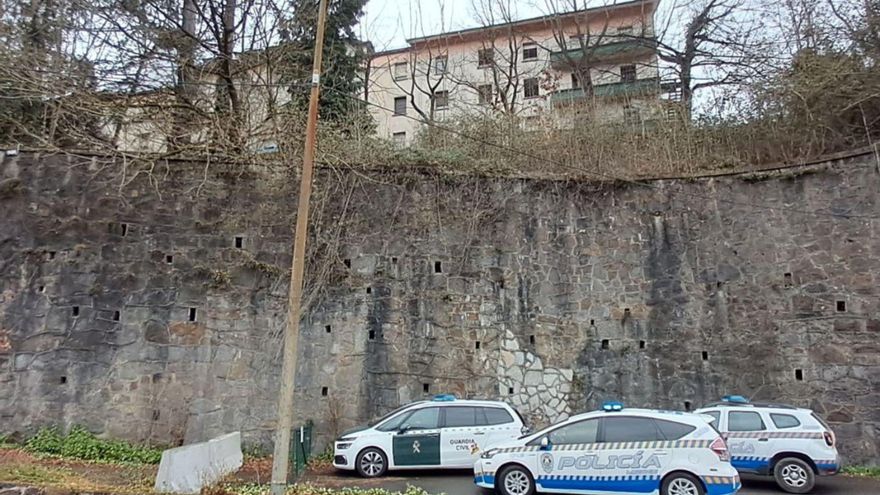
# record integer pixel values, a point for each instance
(540, 392)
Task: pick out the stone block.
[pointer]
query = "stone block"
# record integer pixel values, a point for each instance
(189, 468)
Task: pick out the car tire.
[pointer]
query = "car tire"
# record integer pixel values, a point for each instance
(515, 480)
(371, 463)
(793, 475)
(681, 484)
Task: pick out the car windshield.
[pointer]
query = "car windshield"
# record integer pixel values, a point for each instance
(537, 434)
(392, 413)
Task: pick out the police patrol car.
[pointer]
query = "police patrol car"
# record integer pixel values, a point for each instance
(614, 450)
(793, 445)
(441, 433)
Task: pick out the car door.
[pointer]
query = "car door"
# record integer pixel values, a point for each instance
(416, 443)
(748, 441)
(785, 435)
(462, 432)
(565, 463)
(631, 443)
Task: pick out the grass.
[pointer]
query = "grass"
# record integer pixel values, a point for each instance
(5, 443)
(79, 462)
(863, 471)
(68, 476)
(34, 474)
(324, 459)
(23, 469)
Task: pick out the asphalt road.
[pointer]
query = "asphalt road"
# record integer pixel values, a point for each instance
(461, 483)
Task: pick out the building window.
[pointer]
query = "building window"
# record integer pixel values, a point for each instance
(400, 105)
(627, 73)
(484, 94)
(631, 115)
(399, 138)
(624, 31)
(441, 99)
(440, 64)
(575, 81)
(485, 57)
(530, 51)
(530, 87)
(399, 70)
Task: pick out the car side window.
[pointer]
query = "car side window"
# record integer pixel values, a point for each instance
(629, 429)
(422, 419)
(744, 421)
(581, 432)
(717, 416)
(497, 416)
(783, 421)
(460, 417)
(672, 430)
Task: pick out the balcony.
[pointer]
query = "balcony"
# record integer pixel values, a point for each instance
(634, 89)
(607, 52)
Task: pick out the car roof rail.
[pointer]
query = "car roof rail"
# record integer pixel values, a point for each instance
(763, 405)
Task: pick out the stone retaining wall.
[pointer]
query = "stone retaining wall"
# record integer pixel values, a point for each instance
(147, 303)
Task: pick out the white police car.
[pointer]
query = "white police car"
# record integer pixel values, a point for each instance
(615, 450)
(793, 445)
(441, 433)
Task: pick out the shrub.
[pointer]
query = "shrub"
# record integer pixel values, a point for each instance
(46, 441)
(80, 443)
(864, 471)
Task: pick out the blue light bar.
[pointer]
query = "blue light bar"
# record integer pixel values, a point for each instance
(612, 406)
(736, 399)
(444, 398)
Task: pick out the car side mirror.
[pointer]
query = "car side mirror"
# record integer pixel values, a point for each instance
(545, 443)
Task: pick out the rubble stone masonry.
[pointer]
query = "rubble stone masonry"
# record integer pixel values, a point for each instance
(146, 301)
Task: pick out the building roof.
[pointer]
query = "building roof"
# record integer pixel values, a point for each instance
(651, 4)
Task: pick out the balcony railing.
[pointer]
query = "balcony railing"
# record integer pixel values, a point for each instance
(606, 52)
(637, 88)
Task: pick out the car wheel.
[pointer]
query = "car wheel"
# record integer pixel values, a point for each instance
(515, 480)
(371, 463)
(681, 484)
(794, 475)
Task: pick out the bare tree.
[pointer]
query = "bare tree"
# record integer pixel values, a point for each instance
(858, 25)
(579, 34)
(425, 70)
(500, 56)
(716, 46)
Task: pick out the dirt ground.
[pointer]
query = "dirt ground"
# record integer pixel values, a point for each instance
(62, 476)
(65, 476)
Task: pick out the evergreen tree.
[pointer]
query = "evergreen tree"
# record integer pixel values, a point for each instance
(343, 59)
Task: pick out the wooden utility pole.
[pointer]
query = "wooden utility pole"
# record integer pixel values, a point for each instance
(291, 335)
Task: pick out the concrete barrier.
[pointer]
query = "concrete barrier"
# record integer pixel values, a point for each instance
(187, 469)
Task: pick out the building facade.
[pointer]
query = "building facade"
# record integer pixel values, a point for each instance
(597, 63)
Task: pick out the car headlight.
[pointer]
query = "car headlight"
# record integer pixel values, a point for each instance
(489, 454)
(343, 445)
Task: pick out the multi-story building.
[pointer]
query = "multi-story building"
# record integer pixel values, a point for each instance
(598, 63)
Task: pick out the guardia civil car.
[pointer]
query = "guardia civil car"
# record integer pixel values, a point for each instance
(444, 432)
(614, 450)
(791, 444)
